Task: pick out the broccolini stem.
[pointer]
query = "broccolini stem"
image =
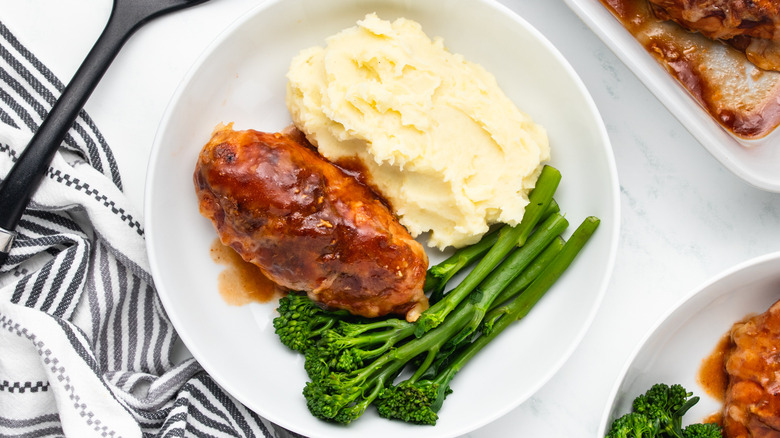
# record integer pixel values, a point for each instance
(383, 370)
(389, 339)
(513, 265)
(530, 273)
(441, 273)
(552, 208)
(355, 329)
(435, 338)
(520, 306)
(484, 295)
(508, 237)
(430, 355)
(538, 202)
(379, 342)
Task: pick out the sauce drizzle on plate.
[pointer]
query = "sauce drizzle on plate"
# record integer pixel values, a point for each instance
(241, 282)
(712, 376)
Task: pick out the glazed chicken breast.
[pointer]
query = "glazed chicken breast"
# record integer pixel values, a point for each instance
(308, 224)
(752, 404)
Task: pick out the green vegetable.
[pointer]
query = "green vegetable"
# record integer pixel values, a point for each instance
(532, 271)
(483, 295)
(353, 362)
(662, 406)
(345, 347)
(301, 322)
(342, 397)
(633, 425)
(667, 404)
(702, 430)
(441, 273)
(418, 400)
(508, 238)
(503, 316)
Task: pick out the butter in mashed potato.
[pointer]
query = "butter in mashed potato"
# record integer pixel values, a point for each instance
(439, 139)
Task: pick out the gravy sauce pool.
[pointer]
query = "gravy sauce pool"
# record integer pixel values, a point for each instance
(742, 98)
(241, 282)
(712, 376)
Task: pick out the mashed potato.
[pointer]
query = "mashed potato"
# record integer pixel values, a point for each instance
(439, 139)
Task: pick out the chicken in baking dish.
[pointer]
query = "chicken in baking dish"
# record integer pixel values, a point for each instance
(725, 19)
(309, 225)
(750, 25)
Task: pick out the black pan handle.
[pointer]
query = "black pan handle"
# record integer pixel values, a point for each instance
(17, 188)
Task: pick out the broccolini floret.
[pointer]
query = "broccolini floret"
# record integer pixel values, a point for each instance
(343, 396)
(702, 430)
(301, 322)
(633, 425)
(667, 404)
(662, 406)
(348, 345)
(412, 402)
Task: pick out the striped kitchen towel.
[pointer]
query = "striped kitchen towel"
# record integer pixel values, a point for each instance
(85, 345)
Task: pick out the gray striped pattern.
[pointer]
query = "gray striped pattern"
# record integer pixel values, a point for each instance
(30, 89)
(42, 426)
(103, 302)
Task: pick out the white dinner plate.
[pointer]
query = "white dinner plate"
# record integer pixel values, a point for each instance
(754, 161)
(673, 351)
(241, 78)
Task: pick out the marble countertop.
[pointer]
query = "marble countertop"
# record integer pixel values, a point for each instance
(685, 218)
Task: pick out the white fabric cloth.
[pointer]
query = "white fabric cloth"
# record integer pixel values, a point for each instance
(85, 345)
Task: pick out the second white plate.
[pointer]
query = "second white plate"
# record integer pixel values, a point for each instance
(673, 351)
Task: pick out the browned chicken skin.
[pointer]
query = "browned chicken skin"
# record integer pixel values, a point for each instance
(308, 225)
(724, 19)
(752, 407)
(752, 26)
